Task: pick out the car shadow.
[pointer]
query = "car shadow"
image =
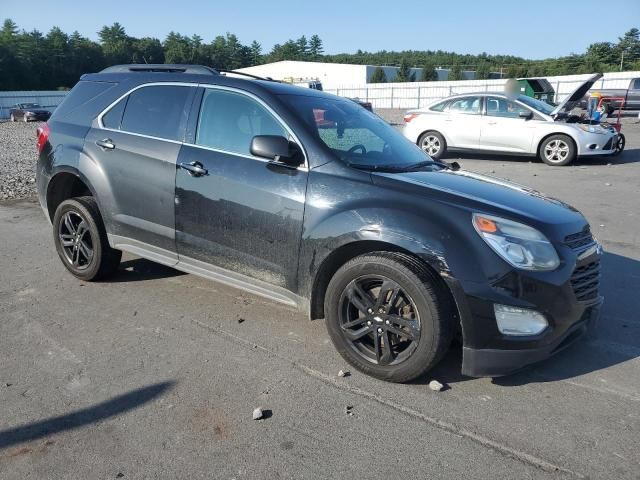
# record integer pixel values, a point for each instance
(614, 340)
(80, 418)
(140, 269)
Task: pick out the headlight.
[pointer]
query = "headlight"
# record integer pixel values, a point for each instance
(592, 128)
(520, 245)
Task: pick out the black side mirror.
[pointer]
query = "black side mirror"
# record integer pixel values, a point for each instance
(276, 148)
(526, 115)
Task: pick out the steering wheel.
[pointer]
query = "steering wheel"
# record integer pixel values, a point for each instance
(357, 147)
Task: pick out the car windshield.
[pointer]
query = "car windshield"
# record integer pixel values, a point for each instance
(356, 136)
(30, 105)
(536, 104)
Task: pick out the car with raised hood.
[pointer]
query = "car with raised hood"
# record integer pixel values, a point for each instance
(236, 180)
(511, 124)
(29, 112)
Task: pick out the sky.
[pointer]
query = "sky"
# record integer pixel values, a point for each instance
(531, 29)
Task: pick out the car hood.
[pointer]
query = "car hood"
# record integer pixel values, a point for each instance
(578, 94)
(36, 110)
(491, 195)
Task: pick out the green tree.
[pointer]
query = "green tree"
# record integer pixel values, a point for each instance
(429, 73)
(455, 73)
(378, 76)
(303, 48)
(404, 72)
(256, 53)
(483, 71)
(147, 50)
(629, 47)
(315, 48)
(116, 45)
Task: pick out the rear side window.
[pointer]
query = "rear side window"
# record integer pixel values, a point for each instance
(81, 94)
(439, 107)
(229, 121)
(157, 111)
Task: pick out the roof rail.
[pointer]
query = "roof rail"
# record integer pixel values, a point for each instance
(256, 77)
(161, 68)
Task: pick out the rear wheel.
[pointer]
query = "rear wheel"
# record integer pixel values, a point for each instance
(433, 143)
(81, 240)
(557, 150)
(24, 118)
(13, 118)
(386, 316)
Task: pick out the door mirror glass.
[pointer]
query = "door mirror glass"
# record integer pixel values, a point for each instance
(527, 115)
(276, 148)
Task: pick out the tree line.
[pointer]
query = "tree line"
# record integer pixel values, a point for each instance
(56, 60)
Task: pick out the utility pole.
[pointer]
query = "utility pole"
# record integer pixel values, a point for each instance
(622, 59)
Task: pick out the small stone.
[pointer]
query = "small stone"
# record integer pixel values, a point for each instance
(344, 373)
(240, 320)
(435, 385)
(120, 475)
(7, 385)
(258, 414)
(607, 184)
(349, 410)
(602, 225)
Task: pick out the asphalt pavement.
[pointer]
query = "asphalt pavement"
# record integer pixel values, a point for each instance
(155, 374)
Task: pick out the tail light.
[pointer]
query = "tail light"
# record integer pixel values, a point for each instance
(410, 116)
(42, 133)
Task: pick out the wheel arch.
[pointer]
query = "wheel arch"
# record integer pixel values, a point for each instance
(346, 252)
(546, 136)
(66, 184)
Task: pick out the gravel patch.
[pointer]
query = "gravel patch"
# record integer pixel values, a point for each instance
(18, 159)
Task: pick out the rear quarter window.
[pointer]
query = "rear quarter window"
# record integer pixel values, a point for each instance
(440, 106)
(82, 93)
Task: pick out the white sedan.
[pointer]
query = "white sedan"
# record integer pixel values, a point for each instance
(494, 122)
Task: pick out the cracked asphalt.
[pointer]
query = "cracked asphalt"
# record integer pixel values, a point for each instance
(155, 374)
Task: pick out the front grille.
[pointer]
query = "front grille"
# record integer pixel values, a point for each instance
(580, 239)
(586, 281)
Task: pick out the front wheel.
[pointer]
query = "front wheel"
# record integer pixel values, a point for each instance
(620, 144)
(81, 240)
(433, 144)
(557, 150)
(386, 316)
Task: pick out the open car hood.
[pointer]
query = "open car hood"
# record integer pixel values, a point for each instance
(578, 94)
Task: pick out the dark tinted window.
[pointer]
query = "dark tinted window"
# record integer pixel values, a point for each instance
(112, 118)
(636, 84)
(157, 111)
(229, 121)
(80, 94)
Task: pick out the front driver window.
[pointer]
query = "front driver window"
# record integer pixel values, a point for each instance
(501, 107)
(229, 121)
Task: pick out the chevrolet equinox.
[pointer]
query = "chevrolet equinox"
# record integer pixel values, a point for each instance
(310, 200)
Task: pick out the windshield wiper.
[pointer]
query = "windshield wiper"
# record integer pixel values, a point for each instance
(390, 168)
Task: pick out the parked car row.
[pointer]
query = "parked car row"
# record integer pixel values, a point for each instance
(310, 200)
(515, 125)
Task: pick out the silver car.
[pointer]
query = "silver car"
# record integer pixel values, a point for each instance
(516, 125)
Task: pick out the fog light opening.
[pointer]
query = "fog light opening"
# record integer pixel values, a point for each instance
(517, 321)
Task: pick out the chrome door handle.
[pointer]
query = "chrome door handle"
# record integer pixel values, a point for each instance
(195, 169)
(106, 143)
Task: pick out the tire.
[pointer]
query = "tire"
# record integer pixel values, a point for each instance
(557, 150)
(433, 144)
(87, 254)
(12, 118)
(417, 310)
(620, 144)
(25, 119)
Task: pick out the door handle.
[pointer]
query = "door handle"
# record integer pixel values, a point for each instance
(195, 169)
(106, 143)
(491, 123)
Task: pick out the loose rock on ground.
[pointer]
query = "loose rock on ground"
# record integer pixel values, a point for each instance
(18, 159)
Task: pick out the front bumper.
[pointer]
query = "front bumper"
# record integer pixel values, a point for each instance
(596, 144)
(496, 363)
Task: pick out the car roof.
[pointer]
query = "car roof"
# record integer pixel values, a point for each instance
(141, 74)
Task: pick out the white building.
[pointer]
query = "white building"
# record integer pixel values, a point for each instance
(332, 75)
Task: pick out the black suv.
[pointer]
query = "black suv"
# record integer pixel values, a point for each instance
(310, 200)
